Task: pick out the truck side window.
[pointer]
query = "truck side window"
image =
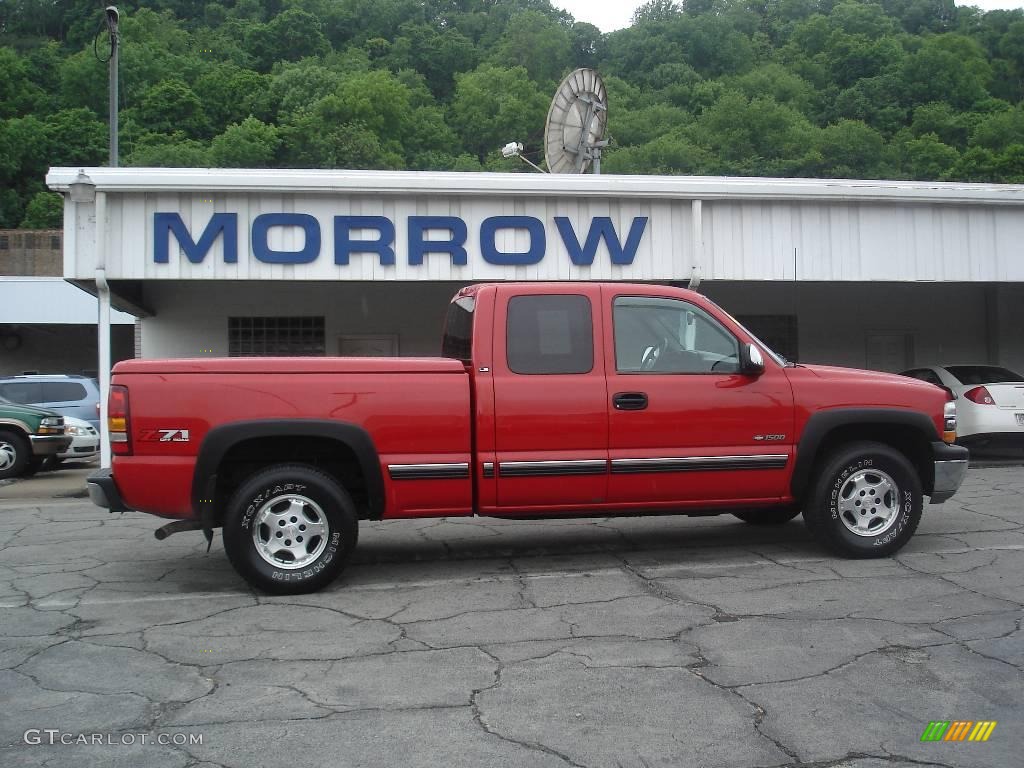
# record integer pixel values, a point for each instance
(550, 334)
(655, 335)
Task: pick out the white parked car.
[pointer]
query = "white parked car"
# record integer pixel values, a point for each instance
(989, 402)
(86, 443)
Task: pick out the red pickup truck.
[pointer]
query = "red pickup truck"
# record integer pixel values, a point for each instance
(550, 400)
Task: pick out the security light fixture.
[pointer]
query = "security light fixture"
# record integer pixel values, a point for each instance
(514, 149)
(82, 189)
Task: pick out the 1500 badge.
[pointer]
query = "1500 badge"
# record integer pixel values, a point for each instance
(772, 438)
(164, 436)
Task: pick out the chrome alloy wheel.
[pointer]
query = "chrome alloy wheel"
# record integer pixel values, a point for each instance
(869, 502)
(290, 531)
(8, 455)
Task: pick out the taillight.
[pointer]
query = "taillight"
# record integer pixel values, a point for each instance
(979, 395)
(119, 420)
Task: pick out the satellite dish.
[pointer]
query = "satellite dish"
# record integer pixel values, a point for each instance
(574, 130)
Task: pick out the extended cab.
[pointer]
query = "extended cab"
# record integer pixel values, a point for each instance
(550, 400)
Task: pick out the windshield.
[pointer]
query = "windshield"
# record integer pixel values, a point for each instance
(983, 374)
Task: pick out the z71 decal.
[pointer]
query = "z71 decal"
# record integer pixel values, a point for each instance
(164, 436)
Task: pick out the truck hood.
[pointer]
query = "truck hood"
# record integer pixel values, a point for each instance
(18, 409)
(857, 374)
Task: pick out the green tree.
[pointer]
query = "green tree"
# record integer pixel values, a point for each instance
(851, 149)
(173, 151)
(289, 36)
(170, 106)
(495, 105)
(537, 44)
(18, 94)
(756, 137)
(936, 73)
(249, 144)
(44, 211)
(228, 94)
(926, 158)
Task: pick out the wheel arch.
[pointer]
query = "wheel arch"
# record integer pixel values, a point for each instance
(232, 451)
(907, 431)
(21, 426)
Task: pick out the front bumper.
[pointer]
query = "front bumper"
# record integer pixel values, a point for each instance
(48, 445)
(103, 491)
(950, 470)
(81, 448)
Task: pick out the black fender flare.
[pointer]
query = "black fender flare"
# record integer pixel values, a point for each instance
(821, 423)
(221, 439)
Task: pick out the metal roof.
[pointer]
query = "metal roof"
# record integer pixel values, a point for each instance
(536, 184)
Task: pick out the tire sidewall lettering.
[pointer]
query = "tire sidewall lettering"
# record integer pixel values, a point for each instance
(279, 489)
(257, 501)
(906, 508)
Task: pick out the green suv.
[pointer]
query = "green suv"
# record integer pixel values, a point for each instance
(27, 436)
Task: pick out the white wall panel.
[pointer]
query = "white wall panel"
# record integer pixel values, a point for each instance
(753, 229)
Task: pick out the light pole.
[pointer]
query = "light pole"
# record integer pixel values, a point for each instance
(112, 18)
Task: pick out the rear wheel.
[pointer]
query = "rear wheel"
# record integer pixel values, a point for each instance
(867, 501)
(290, 529)
(771, 516)
(14, 454)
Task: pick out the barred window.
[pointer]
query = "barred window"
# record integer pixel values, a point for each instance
(276, 337)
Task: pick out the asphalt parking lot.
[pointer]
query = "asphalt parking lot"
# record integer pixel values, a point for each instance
(628, 642)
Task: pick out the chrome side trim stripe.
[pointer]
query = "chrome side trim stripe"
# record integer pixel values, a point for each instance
(428, 471)
(700, 463)
(547, 468)
(488, 469)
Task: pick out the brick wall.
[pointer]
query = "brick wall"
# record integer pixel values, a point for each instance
(32, 252)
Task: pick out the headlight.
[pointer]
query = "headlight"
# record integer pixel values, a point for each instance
(76, 431)
(51, 425)
(949, 421)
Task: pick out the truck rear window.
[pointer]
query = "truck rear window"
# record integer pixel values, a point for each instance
(983, 374)
(550, 335)
(458, 330)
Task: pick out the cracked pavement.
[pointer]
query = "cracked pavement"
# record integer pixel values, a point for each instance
(623, 642)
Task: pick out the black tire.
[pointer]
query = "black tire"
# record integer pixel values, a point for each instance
(15, 453)
(769, 516)
(321, 499)
(835, 493)
(52, 462)
(33, 465)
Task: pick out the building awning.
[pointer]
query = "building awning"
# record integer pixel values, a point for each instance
(49, 301)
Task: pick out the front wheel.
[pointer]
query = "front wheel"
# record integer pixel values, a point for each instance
(14, 454)
(290, 529)
(867, 501)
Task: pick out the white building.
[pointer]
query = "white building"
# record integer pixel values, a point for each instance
(874, 274)
(49, 326)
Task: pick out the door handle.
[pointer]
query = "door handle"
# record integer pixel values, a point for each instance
(629, 401)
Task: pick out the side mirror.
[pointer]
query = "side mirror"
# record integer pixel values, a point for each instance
(751, 360)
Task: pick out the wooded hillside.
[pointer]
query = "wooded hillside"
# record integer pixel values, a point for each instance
(908, 89)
